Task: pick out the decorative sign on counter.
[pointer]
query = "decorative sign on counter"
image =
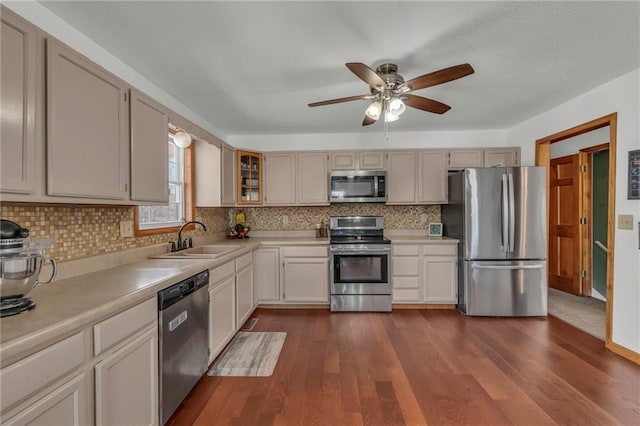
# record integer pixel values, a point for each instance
(634, 175)
(435, 229)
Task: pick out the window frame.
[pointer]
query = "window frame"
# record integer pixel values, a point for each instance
(189, 199)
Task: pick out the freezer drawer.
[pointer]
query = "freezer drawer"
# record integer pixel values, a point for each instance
(505, 288)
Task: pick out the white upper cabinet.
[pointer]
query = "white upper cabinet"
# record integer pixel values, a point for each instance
(279, 177)
(463, 158)
(508, 157)
(87, 122)
(357, 160)
(401, 177)
(432, 177)
(208, 174)
(149, 149)
(312, 178)
(484, 157)
(18, 105)
(228, 176)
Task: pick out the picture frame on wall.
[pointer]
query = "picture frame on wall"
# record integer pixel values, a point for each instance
(633, 185)
(435, 229)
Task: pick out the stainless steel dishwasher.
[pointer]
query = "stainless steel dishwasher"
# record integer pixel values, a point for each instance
(183, 321)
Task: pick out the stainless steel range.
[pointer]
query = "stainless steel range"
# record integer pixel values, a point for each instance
(360, 267)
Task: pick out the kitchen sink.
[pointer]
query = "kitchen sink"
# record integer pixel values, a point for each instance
(202, 252)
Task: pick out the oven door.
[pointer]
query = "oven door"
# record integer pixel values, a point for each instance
(360, 271)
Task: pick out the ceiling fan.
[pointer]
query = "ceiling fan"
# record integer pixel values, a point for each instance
(390, 93)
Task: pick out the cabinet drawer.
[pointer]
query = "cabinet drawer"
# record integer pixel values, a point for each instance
(305, 251)
(111, 331)
(440, 250)
(406, 282)
(40, 369)
(405, 266)
(244, 261)
(221, 272)
(405, 250)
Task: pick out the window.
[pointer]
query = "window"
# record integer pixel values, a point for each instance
(164, 219)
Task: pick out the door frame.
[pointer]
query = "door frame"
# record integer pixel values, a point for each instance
(543, 158)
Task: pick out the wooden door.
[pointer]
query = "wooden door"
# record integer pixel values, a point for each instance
(565, 209)
(222, 316)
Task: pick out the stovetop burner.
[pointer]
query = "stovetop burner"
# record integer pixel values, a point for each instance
(15, 305)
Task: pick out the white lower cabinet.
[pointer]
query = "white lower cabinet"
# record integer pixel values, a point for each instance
(244, 288)
(127, 383)
(425, 273)
(126, 372)
(65, 405)
(268, 274)
(305, 274)
(222, 314)
(405, 267)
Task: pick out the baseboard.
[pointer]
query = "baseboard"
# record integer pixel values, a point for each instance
(624, 352)
(422, 306)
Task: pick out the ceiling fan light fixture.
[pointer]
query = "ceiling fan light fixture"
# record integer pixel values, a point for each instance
(389, 117)
(374, 110)
(397, 107)
(182, 139)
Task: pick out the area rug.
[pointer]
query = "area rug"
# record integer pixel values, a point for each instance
(250, 354)
(585, 313)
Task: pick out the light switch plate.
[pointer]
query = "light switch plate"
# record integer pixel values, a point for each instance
(625, 221)
(126, 228)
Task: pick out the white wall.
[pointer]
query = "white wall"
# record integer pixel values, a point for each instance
(573, 145)
(435, 139)
(621, 95)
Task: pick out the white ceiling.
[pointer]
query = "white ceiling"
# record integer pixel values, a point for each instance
(252, 67)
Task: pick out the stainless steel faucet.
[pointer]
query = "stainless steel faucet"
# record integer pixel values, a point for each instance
(181, 245)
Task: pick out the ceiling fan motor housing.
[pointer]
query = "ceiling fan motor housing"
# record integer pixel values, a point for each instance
(389, 73)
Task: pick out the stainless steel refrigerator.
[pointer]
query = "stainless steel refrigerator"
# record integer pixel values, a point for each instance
(499, 216)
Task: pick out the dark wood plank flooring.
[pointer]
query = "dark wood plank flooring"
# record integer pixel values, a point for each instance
(418, 367)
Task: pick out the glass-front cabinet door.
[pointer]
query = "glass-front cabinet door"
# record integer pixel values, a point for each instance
(249, 177)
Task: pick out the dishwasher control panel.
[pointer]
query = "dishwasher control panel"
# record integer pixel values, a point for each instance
(174, 293)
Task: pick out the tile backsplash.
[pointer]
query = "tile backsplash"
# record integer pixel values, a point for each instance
(305, 218)
(81, 231)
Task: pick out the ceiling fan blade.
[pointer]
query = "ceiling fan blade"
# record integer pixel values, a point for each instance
(338, 100)
(425, 104)
(368, 121)
(367, 75)
(438, 77)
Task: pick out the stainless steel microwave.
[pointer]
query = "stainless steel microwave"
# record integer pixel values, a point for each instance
(358, 186)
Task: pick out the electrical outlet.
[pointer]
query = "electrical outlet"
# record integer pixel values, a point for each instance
(126, 228)
(285, 220)
(625, 221)
(423, 218)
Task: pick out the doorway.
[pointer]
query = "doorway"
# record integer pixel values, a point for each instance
(577, 239)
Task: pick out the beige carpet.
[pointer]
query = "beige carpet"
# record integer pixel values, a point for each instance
(250, 354)
(585, 313)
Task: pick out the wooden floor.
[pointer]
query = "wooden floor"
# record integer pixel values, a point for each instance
(418, 367)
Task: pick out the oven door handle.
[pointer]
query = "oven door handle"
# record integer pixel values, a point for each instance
(359, 251)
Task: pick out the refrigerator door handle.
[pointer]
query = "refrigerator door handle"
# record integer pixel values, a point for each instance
(508, 267)
(512, 214)
(505, 214)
